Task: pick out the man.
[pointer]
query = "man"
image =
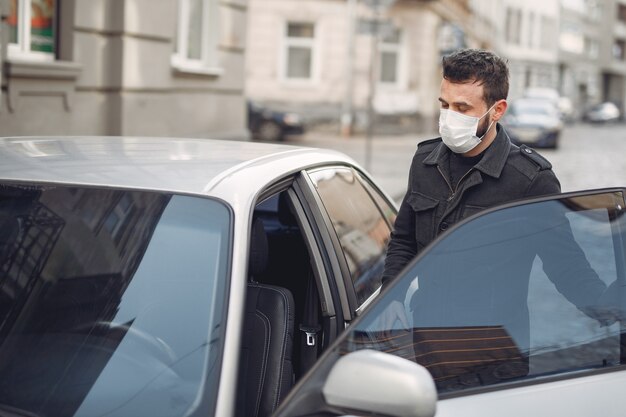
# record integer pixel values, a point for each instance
(472, 166)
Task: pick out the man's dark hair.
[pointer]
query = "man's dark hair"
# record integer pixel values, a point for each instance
(483, 67)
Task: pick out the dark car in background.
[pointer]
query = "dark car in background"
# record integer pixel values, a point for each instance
(272, 125)
(533, 122)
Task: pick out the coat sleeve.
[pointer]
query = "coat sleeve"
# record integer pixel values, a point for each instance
(402, 246)
(566, 264)
(564, 261)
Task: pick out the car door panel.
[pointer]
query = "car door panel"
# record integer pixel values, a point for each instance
(600, 394)
(518, 310)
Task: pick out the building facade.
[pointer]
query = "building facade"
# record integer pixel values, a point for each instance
(613, 53)
(580, 43)
(123, 67)
(324, 58)
(528, 39)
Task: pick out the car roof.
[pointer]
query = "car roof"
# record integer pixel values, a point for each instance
(181, 165)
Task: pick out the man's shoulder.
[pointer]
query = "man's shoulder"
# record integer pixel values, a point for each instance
(528, 160)
(427, 146)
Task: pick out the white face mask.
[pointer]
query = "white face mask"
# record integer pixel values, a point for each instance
(458, 131)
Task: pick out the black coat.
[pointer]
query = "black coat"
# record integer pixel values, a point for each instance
(505, 173)
(459, 290)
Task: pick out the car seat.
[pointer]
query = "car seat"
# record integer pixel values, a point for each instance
(266, 371)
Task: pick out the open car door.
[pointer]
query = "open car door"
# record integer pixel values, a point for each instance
(516, 311)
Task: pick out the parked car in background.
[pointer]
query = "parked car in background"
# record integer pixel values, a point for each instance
(602, 113)
(272, 125)
(563, 104)
(533, 122)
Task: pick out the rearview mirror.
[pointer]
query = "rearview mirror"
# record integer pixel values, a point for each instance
(379, 383)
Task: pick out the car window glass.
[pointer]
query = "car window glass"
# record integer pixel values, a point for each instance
(362, 231)
(110, 301)
(521, 293)
(387, 210)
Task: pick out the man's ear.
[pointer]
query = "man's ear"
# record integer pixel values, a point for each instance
(500, 109)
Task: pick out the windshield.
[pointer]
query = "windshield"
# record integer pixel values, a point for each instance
(110, 301)
(516, 294)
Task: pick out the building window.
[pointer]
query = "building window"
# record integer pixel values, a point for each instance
(513, 26)
(571, 38)
(531, 30)
(390, 58)
(592, 47)
(299, 51)
(548, 33)
(621, 13)
(195, 48)
(32, 29)
(618, 49)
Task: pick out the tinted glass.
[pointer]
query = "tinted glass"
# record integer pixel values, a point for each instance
(300, 30)
(110, 301)
(519, 293)
(362, 230)
(388, 211)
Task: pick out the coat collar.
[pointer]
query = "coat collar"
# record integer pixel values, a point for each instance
(491, 163)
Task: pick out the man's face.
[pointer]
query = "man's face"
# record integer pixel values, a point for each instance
(465, 98)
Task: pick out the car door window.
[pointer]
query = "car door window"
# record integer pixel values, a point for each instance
(387, 209)
(362, 230)
(523, 294)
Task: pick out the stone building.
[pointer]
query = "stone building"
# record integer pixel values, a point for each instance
(317, 56)
(123, 67)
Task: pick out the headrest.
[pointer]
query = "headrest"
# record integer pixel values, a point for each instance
(258, 248)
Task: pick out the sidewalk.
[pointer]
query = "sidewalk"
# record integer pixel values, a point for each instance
(390, 156)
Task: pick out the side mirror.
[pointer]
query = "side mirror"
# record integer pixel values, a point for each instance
(379, 383)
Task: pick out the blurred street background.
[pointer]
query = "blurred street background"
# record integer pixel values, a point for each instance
(360, 76)
(589, 156)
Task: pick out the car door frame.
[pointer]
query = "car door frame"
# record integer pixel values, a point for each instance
(313, 237)
(343, 278)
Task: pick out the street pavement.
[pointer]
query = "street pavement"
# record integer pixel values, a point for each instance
(589, 156)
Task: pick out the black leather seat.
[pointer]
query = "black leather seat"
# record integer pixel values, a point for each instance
(266, 369)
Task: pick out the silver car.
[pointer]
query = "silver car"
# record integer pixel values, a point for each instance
(179, 277)
(602, 113)
(174, 277)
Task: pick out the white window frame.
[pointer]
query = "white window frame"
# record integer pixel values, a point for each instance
(208, 63)
(311, 43)
(400, 51)
(21, 49)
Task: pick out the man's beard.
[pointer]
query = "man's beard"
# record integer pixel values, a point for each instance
(482, 127)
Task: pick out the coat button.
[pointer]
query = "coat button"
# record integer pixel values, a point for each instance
(443, 226)
(528, 150)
